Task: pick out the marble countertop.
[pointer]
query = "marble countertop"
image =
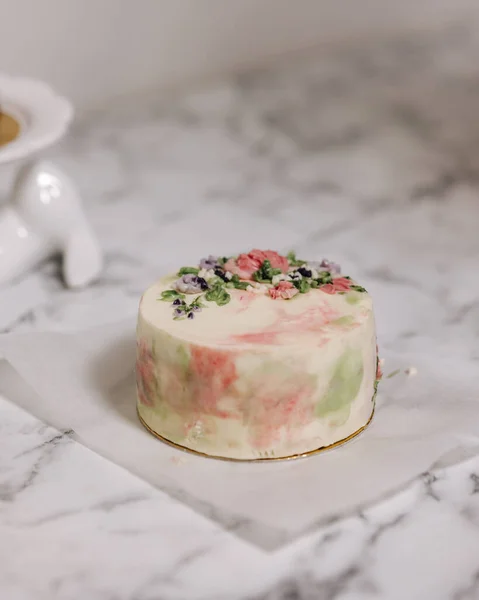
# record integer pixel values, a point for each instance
(368, 154)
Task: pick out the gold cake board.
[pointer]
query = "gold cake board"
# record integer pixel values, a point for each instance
(264, 459)
(9, 128)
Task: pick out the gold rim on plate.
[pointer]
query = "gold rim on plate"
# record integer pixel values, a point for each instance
(264, 459)
(9, 128)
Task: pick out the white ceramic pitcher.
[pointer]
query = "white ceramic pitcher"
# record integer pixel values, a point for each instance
(43, 218)
(44, 215)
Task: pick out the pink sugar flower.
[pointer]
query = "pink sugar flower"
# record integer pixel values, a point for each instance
(339, 284)
(284, 289)
(246, 264)
(277, 261)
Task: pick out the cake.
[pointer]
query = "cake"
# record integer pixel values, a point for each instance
(257, 356)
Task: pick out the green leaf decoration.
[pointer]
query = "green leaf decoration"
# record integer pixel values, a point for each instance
(219, 295)
(197, 302)
(344, 384)
(170, 295)
(376, 383)
(302, 285)
(188, 271)
(265, 273)
(293, 261)
(214, 281)
(324, 277)
(358, 288)
(223, 298)
(238, 284)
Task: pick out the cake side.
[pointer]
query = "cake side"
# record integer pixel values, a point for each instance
(262, 375)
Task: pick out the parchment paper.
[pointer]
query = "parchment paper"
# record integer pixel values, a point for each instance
(85, 382)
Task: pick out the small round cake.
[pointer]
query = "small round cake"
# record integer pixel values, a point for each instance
(257, 356)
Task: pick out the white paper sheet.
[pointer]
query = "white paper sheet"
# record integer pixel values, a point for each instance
(85, 382)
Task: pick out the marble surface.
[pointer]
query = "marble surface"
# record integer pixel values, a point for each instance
(368, 154)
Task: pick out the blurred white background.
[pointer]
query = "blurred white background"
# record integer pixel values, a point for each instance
(93, 50)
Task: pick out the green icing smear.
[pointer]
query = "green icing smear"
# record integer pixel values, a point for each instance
(345, 320)
(353, 297)
(183, 357)
(344, 385)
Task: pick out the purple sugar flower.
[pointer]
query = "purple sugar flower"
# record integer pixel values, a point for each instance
(190, 284)
(330, 266)
(209, 263)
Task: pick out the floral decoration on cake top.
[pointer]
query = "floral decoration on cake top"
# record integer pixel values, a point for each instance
(259, 272)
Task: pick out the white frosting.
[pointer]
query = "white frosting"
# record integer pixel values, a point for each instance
(258, 377)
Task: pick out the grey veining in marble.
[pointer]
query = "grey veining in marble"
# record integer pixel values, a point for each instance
(370, 155)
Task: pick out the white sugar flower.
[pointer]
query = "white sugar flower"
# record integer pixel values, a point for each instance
(207, 274)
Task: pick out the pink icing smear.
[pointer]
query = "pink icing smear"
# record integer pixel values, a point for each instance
(312, 320)
(145, 374)
(259, 337)
(245, 299)
(213, 373)
(280, 412)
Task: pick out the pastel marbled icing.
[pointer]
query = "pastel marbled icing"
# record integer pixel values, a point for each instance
(258, 377)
